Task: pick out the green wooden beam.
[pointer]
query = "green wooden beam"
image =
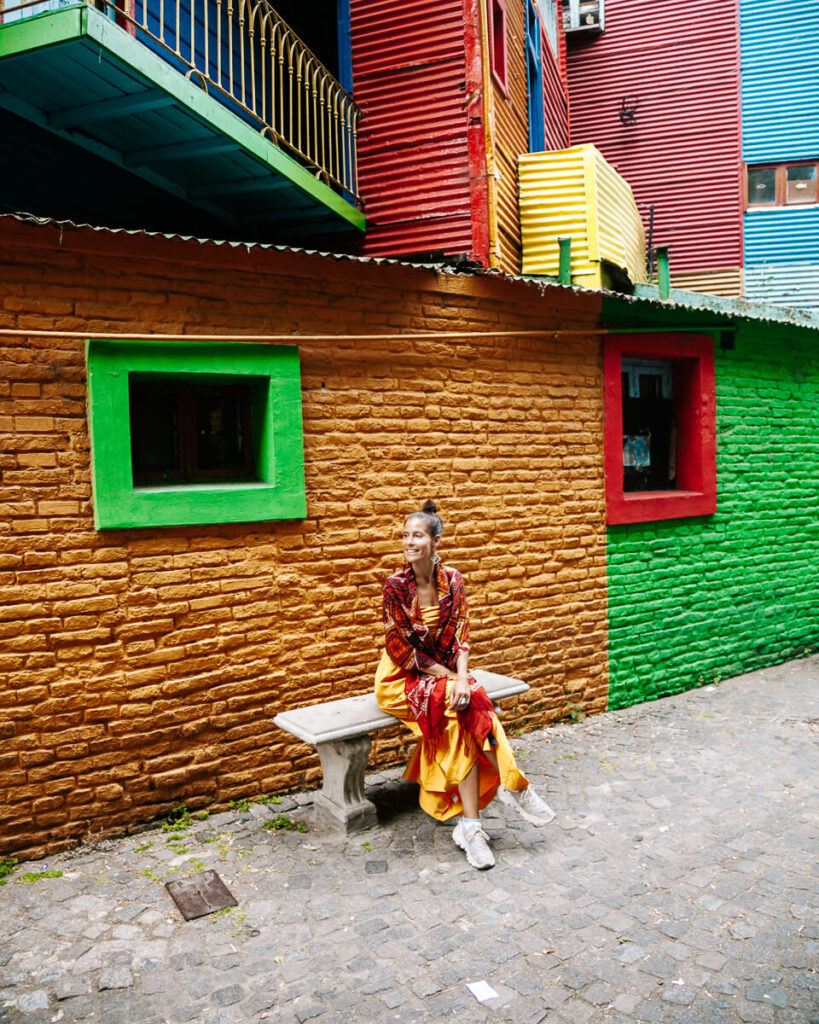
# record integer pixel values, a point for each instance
(19, 38)
(111, 109)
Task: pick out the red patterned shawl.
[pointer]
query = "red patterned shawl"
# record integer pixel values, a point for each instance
(412, 645)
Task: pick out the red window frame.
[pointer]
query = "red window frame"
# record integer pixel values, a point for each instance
(497, 44)
(692, 362)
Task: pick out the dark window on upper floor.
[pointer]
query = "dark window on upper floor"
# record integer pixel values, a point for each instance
(497, 44)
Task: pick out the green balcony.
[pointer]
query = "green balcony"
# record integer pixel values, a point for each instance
(192, 115)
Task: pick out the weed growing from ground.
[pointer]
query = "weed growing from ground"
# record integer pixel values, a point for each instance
(7, 866)
(281, 823)
(34, 876)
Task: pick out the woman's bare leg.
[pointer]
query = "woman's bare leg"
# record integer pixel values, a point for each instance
(469, 791)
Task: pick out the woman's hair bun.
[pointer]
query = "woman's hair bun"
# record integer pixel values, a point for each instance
(429, 516)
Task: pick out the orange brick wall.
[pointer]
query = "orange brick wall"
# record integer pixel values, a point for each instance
(140, 669)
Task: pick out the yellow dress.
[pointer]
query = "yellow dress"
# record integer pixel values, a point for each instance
(439, 776)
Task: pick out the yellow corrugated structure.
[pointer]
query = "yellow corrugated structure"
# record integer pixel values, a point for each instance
(575, 193)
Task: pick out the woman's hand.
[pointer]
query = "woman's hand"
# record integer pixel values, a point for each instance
(459, 695)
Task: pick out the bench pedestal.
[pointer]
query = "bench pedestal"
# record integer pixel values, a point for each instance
(342, 799)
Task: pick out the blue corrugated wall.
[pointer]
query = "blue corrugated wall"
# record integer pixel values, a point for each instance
(782, 235)
(779, 42)
(779, 55)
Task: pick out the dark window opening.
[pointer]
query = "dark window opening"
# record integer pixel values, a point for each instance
(497, 43)
(649, 426)
(186, 431)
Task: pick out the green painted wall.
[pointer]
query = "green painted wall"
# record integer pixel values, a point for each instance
(691, 601)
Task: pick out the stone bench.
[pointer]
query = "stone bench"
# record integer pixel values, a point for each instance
(340, 731)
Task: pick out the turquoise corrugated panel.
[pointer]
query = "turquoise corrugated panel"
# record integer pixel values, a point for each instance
(779, 48)
(784, 235)
(784, 284)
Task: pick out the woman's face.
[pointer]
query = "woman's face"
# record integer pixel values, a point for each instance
(419, 547)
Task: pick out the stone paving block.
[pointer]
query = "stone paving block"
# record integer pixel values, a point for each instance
(115, 978)
(574, 1011)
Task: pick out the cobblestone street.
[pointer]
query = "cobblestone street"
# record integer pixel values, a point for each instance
(678, 885)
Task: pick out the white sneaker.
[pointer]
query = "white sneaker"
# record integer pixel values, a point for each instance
(529, 805)
(473, 841)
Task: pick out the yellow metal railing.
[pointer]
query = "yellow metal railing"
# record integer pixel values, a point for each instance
(244, 53)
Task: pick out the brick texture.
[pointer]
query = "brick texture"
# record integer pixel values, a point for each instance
(693, 601)
(140, 669)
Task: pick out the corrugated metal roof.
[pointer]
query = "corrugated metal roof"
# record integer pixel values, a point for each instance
(680, 62)
(646, 296)
(782, 235)
(724, 308)
(780, 79)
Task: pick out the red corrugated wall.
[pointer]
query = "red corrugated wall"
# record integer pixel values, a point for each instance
(681, 60)
(410, 79)
(555, 86)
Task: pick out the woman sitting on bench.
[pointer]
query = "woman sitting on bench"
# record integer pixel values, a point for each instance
(463, 756)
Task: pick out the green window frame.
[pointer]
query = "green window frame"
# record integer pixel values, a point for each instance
(272, 370)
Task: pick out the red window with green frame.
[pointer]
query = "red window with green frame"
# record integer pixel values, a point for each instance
(660, 427)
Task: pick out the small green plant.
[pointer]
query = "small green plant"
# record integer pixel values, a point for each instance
(178, 820)
(367, 847)
(222, 912)
(203, 815)
(34, 876)
(239, 805)
(145, 846)
(7, 866)
(281, 823)
(574, 712)
(264, 799)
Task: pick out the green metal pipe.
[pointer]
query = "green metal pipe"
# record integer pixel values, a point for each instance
(565, 260)
(663, 273)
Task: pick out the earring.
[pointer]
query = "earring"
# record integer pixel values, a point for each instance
(436, 559)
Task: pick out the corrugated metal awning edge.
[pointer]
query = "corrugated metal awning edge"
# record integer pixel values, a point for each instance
(646, 296)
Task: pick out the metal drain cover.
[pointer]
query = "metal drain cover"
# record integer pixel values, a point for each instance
(203, 894)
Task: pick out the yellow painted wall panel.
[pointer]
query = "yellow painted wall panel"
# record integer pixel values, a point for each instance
(575, 193)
